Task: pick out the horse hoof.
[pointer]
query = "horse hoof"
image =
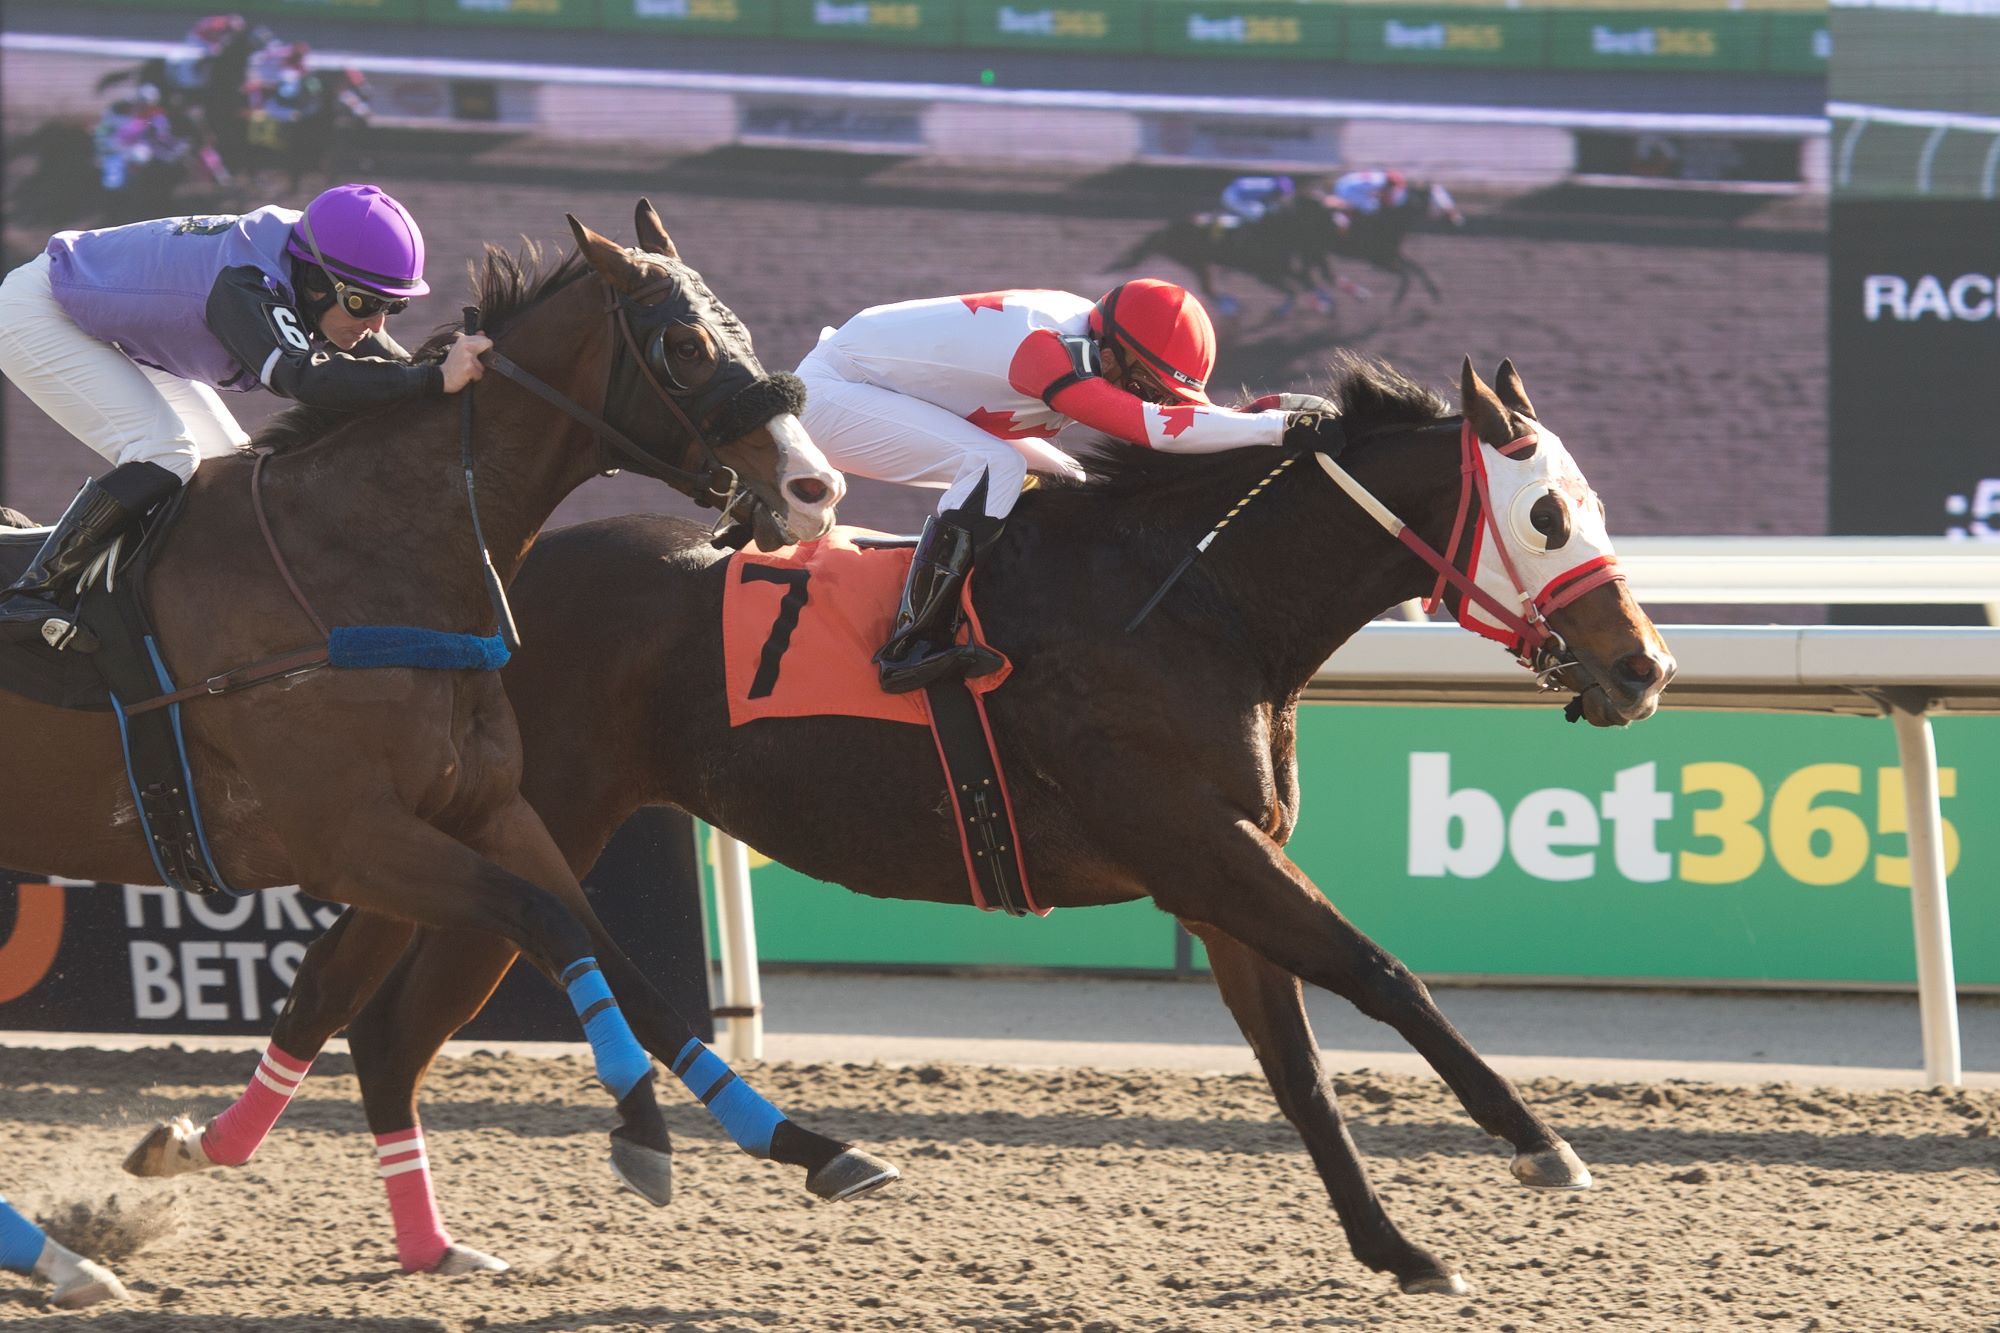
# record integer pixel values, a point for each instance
(1438, 1284)
(647, 1172)
(459, 1259)
(850, 1175)
(173, 1148)
(1557, 1168)
(90, 1284)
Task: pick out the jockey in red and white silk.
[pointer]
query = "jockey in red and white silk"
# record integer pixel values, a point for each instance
(967, 393)
(939, 392)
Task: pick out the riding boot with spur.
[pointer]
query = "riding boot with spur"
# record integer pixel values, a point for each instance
(925, 648)
(41, 603)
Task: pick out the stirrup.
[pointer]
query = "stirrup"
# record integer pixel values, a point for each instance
(24, 618)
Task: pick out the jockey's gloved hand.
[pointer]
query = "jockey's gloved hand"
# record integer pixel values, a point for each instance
(1323, 431)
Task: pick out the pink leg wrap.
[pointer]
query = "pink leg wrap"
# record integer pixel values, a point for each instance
(421, 1239)
(235, 1134)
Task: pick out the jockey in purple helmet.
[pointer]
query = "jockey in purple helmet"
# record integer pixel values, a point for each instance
(124, 335)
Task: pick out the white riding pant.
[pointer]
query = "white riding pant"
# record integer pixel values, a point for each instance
(127, 412)
(876, 432)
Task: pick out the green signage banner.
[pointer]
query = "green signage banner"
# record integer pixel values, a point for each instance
(1669, 39)
(1268, 28)
(537, 13)
(1695, 846)
(702, 18)
(399, 10)
(909, 22)
(1800, 44)
(1066, 25)
(1378, 34)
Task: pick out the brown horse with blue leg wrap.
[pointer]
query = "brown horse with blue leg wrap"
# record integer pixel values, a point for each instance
(394, 787)
(1155, 763)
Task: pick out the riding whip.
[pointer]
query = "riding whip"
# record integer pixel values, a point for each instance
(1187, 561)
(496, 592)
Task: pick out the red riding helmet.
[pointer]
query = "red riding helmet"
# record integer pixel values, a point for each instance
(1164, 326)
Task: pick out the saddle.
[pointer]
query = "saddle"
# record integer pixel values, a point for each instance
(126, 670)
(799, 626)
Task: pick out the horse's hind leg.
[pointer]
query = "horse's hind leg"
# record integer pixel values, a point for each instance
(339, 972)
(835, 1170)
(1257, 894)
(1266, 1004)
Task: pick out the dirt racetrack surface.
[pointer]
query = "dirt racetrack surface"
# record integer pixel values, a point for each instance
(1676, 341)
(1031, 1201)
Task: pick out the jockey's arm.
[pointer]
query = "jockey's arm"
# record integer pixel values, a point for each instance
(1044, 368)
(269, 336)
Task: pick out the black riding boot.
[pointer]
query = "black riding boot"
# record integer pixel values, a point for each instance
(924, 648)
(41, 603)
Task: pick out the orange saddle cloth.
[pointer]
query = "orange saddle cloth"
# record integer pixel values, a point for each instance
(800, 624)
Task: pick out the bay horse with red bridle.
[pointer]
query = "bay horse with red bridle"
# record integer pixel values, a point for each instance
(1156, 763)
(396, 789)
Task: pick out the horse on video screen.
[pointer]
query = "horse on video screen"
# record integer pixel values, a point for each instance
(1291, 248)
(1156, 763)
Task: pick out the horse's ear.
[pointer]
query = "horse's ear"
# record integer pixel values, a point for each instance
(1507, 382)
(653, 232)
(605, 255)
(1486, 413)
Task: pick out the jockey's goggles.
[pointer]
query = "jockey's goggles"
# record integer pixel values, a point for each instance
(364, 304)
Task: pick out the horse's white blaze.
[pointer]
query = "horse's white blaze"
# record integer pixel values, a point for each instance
(799, 459)
(1514, 485)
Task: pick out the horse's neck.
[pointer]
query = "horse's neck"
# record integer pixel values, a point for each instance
(1315, 568)
(394, 487)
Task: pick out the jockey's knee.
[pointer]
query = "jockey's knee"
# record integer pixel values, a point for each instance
(178, 455)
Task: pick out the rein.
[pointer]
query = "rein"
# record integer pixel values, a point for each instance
(717, 479)
(1534, 642)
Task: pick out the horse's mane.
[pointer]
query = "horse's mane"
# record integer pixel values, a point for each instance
(1368, 391)
(507, 284)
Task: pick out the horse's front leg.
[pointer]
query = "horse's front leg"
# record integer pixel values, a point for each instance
(442, 980)
(1256, 894)
(340, 971)
(1267, 1006)
(834, 1170)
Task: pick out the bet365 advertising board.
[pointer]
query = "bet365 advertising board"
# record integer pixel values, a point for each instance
(1701, 846)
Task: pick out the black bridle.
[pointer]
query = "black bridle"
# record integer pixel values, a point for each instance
(716, 477)
(717, 484)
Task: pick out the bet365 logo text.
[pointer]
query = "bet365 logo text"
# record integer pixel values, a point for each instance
(1822, 824)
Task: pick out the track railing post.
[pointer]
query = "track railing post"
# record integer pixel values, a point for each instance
(1930, 909)
(742, 989)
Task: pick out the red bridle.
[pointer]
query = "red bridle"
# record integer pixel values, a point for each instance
(1525, 632)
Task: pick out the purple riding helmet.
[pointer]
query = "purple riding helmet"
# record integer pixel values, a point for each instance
(365, 240)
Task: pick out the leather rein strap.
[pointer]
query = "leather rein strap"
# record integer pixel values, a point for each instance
(718, 479)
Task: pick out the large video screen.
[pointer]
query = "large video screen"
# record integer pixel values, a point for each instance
(1633, 202)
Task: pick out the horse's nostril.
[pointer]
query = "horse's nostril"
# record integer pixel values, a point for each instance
(809, 490)
(1639, 668)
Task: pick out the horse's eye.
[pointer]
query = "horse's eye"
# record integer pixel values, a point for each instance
(1550, 517)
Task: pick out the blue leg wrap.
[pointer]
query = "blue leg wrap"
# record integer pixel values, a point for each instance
(20, 1240)
(621, 1060)
(736, 1106)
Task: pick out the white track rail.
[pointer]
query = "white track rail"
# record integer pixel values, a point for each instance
(849, 90)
